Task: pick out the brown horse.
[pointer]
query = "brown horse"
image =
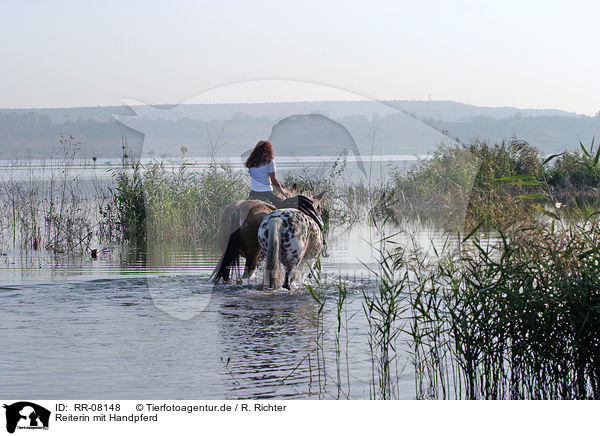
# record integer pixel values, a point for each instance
(238, 234)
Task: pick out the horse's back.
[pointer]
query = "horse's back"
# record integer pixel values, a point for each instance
(243, 211)
(296, 228)
(223, 230)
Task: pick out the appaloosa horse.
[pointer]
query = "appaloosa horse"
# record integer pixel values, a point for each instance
(291, 236)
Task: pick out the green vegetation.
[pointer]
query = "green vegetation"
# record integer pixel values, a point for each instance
(514, 317)
(462, 184)
(175, 206)
(512, 312)
(384, 311)
(574, 178)
(345, 202)
(53, 206)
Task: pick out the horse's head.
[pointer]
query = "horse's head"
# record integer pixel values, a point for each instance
(289, 193)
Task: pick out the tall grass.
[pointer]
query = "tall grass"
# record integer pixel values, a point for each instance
(46, 205)
(574, 177)
(384, 310)
(320, 298)
(517, 317)
(345, 202)
(509, 314)
(55, 205)
(174, 205)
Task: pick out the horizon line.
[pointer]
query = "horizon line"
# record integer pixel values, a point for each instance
(285, 102)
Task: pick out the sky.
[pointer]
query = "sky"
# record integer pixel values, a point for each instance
(528, 54)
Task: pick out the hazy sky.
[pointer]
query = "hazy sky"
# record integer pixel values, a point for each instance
(505, 53)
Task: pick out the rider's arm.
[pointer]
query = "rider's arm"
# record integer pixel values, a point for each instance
(278, 187)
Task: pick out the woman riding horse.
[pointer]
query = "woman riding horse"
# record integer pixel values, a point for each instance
(261, 166)
(239, 222)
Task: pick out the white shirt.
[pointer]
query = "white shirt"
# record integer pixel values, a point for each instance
(260, 177)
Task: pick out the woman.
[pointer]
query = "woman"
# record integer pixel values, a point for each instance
(261, 166)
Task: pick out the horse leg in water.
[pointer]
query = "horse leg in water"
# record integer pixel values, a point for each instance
(270, 239)
(290, 275)
(292, 254)
(250, 266)
(250, 245)
(237, 234)
(230, 234)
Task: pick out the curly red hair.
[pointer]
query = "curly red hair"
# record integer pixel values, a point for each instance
(261, 155)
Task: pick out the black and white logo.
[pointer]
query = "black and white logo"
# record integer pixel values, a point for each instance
(26, 415)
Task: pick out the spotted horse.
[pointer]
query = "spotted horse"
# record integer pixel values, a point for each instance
(290, 236)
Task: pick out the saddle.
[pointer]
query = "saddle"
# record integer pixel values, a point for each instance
(304, 205)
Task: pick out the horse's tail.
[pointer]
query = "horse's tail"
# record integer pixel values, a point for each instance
(231, 255)
(272, 263)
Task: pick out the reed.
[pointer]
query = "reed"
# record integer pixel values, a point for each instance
(46, 205)
(515, 317)
(384, 311)
(461, 185)
(158, 204)
(345, 202)
(341, 315)
(318, 294)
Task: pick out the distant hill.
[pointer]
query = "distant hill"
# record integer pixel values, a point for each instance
(548, 133)
(438, 110)
(390, 127)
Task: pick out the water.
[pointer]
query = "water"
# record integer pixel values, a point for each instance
(151, 325)
(102, 170)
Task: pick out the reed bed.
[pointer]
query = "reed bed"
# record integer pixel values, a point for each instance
(173, 205)
(384, 310)
(517, 317)
(47, 205)
(460, 185)
(345, 202)
(55, 205)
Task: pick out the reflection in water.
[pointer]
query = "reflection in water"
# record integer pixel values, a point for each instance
(263, 338)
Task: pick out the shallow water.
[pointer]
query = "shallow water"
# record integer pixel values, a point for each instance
(151, 325)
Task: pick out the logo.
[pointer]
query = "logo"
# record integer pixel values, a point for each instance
(26, 415)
